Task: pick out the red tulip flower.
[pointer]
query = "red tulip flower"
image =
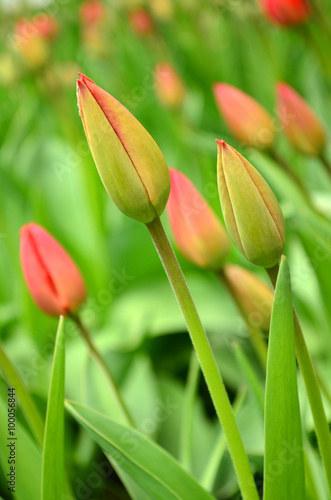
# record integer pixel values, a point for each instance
(286, 12)
(300, 124)
(197, 231)
(52, 277)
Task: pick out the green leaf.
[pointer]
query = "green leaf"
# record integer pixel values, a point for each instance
(53, 483)
(147, 471)
(29, 408)
(284, 475)
(250, 375)
(27, 459)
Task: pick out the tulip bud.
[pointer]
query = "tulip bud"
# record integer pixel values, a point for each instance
(141, 21)
(300, 124)
(254, 295)
(92, 12)
(30, 44)
(46, 25)
(286, 12)
(168, 85)
(251, 212)
(130, 164)
(51, 276)
(197, 231)
(248, 121)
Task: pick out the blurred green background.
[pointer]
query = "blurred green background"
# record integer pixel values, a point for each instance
(47, 175)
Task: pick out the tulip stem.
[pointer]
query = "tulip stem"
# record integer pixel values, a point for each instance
(312, 388)
(209, 474)
(188, 412)
(99, 359)
(274, 155)
(255, 333)
(28, 406)
(206, 359)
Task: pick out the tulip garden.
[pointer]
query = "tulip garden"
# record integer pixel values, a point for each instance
(165, 236)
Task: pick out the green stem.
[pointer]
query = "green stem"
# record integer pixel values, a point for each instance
(28, 406)
(312, 388)
(316, 48)
(99, 359)
(206, 359)
(274, 155)
(255, 333)
(188, 412)
(208, 477)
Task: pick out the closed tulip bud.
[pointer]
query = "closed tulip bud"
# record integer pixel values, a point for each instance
(248, 121)
(197, 231)
(168, 85)
(254, 295)
(32, 47)
(300, 124)
(141, 21)
(286, 12)
(131, 166)
(51, 276)
(92, 12)
(46, 25)
(251, 211)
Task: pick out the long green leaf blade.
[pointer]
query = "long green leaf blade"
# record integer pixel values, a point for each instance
(28, 406)
(147, 470)
(53, 483)
(284, 476)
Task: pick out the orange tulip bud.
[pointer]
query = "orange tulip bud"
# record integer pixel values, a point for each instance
(286, 12)
(169, 86)
(197, 231)
(52, 277)
(255, 296)
(131, 166)
(251, 211)
(300, 124)
(248, 121)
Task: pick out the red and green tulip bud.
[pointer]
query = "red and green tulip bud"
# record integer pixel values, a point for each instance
(300, 124)
(248, 121)
(169, 86)
(130, 164)
(197, 231)
(52, 277)
(251, 211)
(255, 296)
(286, 12)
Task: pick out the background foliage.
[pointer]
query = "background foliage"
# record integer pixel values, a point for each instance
(47, 175)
